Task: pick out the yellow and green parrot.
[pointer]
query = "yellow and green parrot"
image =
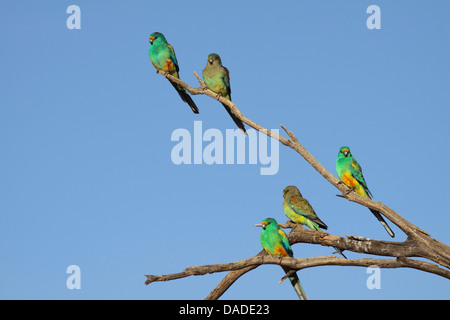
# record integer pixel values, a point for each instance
(217, 79)
(275, 242)
(163, 57)
(349, 171)
(299, 210)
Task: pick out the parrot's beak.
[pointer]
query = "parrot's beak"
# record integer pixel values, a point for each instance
(345, 152)
(210, 61)
(263, 225)
(150, 39)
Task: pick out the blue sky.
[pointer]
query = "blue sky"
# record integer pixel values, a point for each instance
(86, 173)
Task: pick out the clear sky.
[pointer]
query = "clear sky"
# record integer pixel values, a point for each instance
(87, 176)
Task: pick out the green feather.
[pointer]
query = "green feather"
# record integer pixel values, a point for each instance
(217, 79)
(346, 164)
(274, 240)
(162, 56)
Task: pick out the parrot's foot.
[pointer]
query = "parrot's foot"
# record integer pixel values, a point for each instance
(345, 193)
(298, 226)
(340, 182)
(348, 189)
(288, 224)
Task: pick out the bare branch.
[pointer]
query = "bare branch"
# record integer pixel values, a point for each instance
(204, 90)
(299, 264)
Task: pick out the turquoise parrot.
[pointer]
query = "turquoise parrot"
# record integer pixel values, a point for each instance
(349, 171)
(217, 78)
(299, 210)
(163, 57)
(275, 242)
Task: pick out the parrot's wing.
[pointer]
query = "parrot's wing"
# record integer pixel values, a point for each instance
(226, 80)
(285, 243)
(174, 57)
(302, 207)
(356, 171)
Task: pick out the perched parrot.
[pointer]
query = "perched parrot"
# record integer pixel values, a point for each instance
(349, 171)
(217, 78)
(276, 243)
(299, 210)
(163, 57)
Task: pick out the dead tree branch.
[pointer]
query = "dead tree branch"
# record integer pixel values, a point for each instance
(299, 264)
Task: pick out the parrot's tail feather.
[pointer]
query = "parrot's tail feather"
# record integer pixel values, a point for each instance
(185, 97)
(383, 222)
(238, 122)
(295, 281)
(298, 287)
(321, 224)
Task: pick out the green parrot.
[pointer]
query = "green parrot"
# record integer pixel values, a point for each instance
(217, 78)
(163, 57)
(349, 171)
(276, 243)
(299, 210)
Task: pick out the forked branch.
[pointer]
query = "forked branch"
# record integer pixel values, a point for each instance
(418, 243)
